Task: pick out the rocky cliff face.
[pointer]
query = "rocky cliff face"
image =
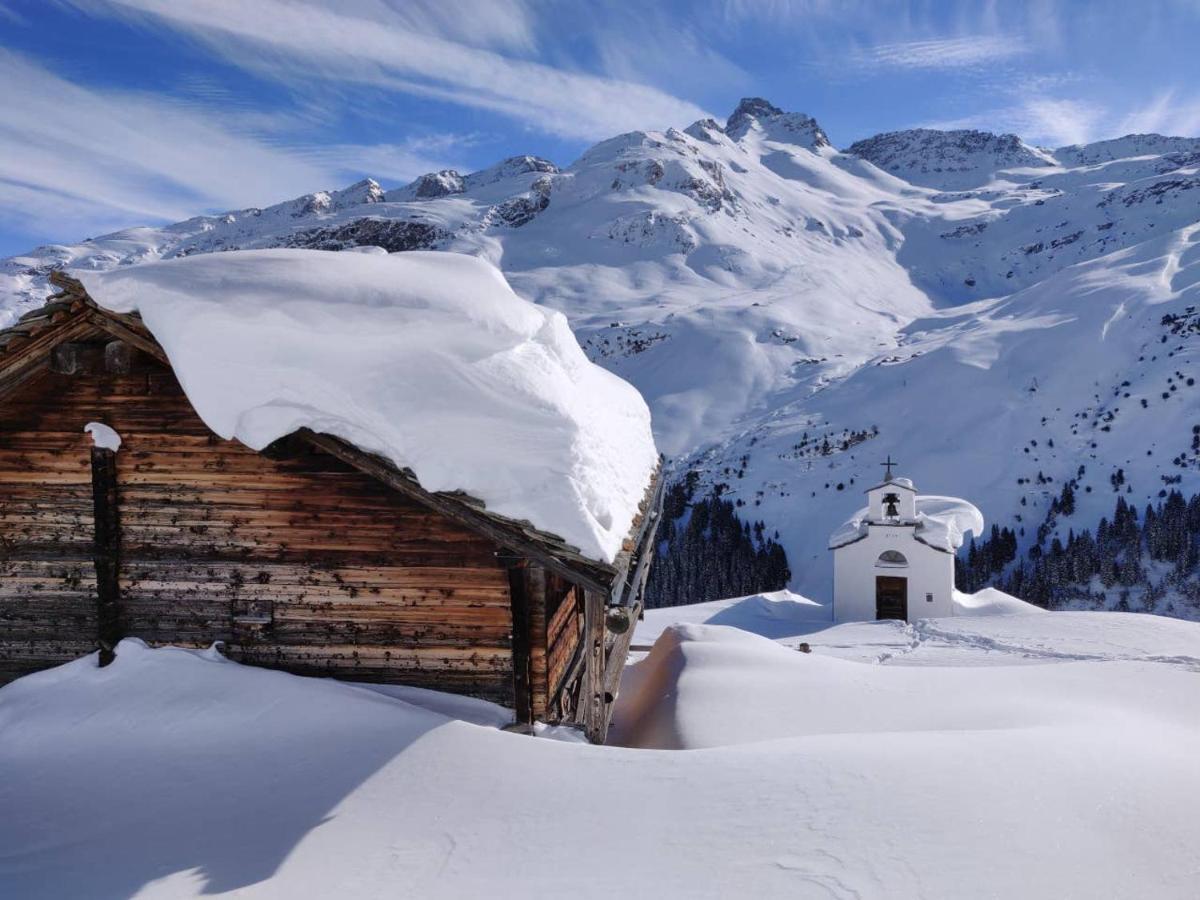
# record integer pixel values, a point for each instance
(950, 160)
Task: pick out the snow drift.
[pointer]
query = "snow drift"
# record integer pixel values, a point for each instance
(704, 686)
(175, 773)
(942, 523)
(429, 359)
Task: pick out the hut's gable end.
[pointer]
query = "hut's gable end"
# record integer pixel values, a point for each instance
(297, 561)
(311, 556)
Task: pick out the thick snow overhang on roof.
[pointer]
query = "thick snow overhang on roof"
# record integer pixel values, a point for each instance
(941, 523)
(73, 315)
(429, 360)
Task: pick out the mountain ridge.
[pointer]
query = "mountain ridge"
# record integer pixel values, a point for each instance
(777, 300)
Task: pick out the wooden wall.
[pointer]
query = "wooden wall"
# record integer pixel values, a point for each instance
(299, 562)
(47, 577)
(564, 625)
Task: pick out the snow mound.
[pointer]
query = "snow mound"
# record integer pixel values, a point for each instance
(942, 522)
(103, 437)
(991, 602)
(774, 614)
(704, 686)
(429, 359)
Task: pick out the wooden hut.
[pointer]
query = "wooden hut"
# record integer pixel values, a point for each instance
(310, 556)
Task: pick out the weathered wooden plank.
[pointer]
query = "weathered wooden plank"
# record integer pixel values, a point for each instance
(456, 511)
(28, 362)
(524, 586)
(124, 329)
(107, 551)
(461, 659)
(542, 583)
(563, 642)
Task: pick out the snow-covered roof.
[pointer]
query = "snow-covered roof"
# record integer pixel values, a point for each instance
(941, 522)
(427, 359)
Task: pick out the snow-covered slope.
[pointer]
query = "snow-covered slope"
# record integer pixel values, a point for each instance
(1041, 756)
(974, 306)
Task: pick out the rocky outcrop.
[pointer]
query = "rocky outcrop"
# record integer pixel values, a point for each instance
(948, 160)
(393, 235)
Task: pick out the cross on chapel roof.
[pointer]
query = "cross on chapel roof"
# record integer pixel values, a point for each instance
(887, 476)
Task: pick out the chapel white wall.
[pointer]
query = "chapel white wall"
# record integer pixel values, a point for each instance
(929, 571)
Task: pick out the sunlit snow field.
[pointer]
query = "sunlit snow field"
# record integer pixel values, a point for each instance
(1002, 753)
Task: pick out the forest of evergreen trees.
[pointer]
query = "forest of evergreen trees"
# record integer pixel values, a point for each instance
(1149, 563)
(707, 552)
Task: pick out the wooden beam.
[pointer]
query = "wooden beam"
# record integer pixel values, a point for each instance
(106, 551)
(118, 328)
(591, 697)
(11, 382)
(632, 601)
(523, 582)
(18, 365)
(643, 534)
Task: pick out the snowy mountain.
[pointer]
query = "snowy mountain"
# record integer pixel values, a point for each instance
(949, 160)
(1001, 318)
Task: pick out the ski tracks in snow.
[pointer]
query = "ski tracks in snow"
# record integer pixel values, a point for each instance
(927, 633)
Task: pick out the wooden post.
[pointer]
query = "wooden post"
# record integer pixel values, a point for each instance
(521, 590)
(595, 717)
(106, 551)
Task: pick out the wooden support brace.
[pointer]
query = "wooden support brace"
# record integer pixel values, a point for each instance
(106, 551)
(595, 716)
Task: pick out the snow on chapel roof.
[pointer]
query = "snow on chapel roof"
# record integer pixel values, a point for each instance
(941, 522)
(427, 359)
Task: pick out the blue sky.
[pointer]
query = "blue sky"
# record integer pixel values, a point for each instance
(121, 112)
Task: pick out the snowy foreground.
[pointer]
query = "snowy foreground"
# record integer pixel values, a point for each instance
(1002, 754)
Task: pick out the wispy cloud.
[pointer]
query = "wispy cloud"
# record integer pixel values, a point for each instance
(391, 47)
(943, 53)
(82, 160)
(1166, 113)
(1060, 121)
(1047, 121)
(395, 163)
(7, 13)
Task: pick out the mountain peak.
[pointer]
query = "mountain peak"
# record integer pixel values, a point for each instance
(792, 128)
(751, 108)
(365, 191)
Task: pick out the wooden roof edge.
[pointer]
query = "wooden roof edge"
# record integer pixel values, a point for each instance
(67, 284)
(73, 302)
(639, 545)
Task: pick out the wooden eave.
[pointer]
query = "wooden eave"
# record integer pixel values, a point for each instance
(71, 314)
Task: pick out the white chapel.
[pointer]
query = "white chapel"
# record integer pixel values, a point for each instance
(894, 559)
